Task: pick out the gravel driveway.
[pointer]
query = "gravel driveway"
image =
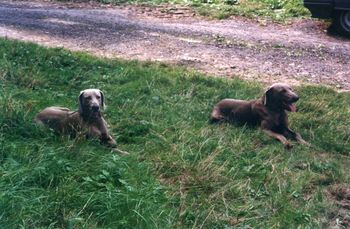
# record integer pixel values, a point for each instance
(256, 50)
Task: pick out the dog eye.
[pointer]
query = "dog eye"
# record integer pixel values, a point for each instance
(88, 98)
(98, 97)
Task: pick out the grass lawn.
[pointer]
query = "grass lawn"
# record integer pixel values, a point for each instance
(277, 10)
(182, 171)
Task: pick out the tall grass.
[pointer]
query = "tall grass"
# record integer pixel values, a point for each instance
(181, 171)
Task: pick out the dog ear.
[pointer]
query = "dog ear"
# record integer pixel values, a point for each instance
(103, 105)
(266, 96)
(80, 102)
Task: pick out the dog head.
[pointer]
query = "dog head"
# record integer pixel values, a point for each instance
(280, 96)
(91, 102)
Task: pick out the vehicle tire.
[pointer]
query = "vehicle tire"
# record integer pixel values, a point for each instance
(342, 22)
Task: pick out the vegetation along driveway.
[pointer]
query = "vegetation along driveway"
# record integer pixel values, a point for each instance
(252, 49)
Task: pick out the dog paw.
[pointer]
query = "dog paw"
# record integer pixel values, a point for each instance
(288, 145)
(112, 144)
(108, 141)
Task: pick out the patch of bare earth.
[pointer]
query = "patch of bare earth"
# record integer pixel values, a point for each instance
(251, 49)
(339, 194)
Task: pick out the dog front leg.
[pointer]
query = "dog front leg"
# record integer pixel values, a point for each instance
(93, 132)
(105, 137)
(279, 137)
(295, 136)
(266, 126)
(108, 140)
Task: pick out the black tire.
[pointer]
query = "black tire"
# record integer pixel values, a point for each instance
(342, 22)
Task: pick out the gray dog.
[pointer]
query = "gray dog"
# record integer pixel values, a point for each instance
(270, 112)
(87, 119)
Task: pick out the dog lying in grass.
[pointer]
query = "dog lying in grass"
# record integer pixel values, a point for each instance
(88, 119)
(270, 112)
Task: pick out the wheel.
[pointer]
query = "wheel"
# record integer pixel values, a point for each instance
(342, 22)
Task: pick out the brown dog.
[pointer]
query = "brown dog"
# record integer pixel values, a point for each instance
(270, 112)
(87, 119)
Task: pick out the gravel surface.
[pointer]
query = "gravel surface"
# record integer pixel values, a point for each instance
(301, 51)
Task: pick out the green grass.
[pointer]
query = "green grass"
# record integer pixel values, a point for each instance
(277, 10)
(181, 171)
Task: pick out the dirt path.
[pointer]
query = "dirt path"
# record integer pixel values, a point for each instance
(267, 52)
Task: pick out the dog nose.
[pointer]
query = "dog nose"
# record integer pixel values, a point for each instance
(95, 108)
(296, 98)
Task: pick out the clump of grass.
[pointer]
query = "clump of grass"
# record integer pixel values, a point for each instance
(181, 172)
(277, 10)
